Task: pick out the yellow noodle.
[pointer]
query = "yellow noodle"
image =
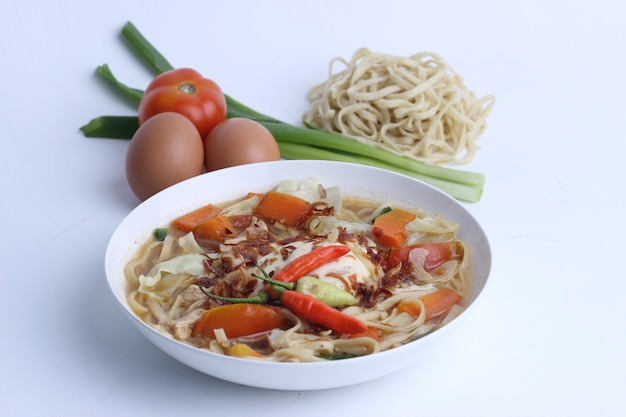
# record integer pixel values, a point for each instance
(135, 305)
(416, 106)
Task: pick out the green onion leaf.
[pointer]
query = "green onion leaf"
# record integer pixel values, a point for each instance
(383, 211)
(237, 109)
(133, 93)
(149, 53)
(159, 234)
(113, 127)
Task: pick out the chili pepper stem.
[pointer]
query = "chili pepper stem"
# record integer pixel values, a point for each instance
(266, 278)
(325, 292)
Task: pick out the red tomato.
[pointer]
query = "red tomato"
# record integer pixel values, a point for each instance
(185, 91)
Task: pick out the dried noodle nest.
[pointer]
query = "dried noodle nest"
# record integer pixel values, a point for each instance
(413, 106)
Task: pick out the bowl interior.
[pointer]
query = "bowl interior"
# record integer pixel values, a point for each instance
(227, 184)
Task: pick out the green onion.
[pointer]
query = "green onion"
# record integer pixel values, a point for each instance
(237, 109)
(160, 234)
(292, 134)
(471, 193)
(114, 127)
(149, 53)
(157, 63)
(123, 127)
(133, 93)
(383, 211)
(294, 142)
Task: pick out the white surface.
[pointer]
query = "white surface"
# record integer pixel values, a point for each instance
(235, 182)
(548, 337)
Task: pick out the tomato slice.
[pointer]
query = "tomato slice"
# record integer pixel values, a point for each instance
(437, 254)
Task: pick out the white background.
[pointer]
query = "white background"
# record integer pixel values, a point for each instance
(548, 337)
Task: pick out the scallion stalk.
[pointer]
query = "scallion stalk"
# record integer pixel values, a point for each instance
(465, 192)
(292, 134)
(294, 143)
(134, 94)
(237, 109)
(113, 127)
(157, 62)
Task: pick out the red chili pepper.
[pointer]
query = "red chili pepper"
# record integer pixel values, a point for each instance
(307, 307)
(320, 290)
(304, 306)
(308, 262)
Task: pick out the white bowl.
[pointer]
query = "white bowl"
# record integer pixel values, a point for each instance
(231, 183)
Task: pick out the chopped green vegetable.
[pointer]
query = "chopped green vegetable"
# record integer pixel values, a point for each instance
(159, 234)
(383, 211)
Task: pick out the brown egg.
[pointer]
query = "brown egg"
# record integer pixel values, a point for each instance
(165, 150)
(239, 141)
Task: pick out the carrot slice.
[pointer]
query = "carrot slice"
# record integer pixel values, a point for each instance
(409, 307)
(284, 208)
(436, 304)
(239, 320)
(191, 220)
(241, 350)
(251, 194)
(215, 228)
(389, 229)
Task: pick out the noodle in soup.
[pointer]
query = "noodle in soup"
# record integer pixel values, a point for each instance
(395, 292)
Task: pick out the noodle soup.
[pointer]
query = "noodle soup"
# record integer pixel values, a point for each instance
(398, 294)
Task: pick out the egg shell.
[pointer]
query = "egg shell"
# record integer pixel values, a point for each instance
(165, 150)
(239, 141)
